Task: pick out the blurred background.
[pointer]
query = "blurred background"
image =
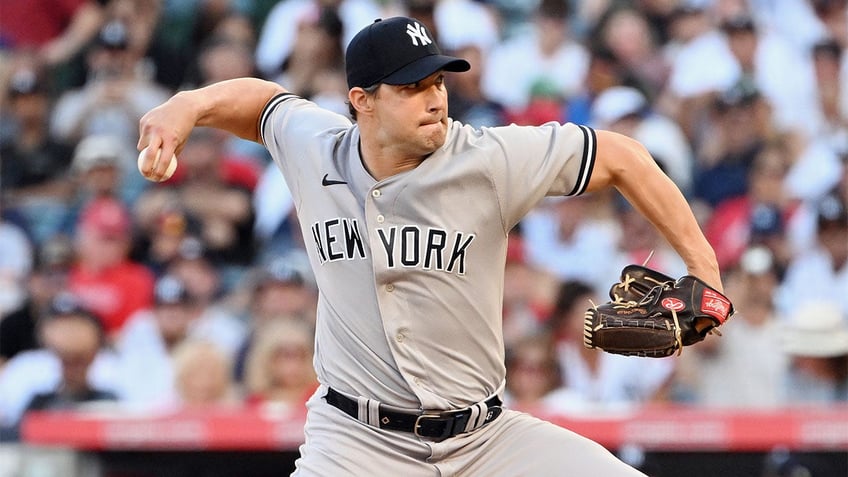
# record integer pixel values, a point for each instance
(165, 329)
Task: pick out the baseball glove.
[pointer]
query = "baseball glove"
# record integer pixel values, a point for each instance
(654, 316)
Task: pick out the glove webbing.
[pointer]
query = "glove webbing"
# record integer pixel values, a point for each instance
(625, 285)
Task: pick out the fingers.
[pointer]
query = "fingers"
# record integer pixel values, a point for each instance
(156, 148)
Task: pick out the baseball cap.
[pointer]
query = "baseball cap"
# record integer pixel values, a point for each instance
(107, 217)
(95, 151)
(113, 36)
(397, 50)
(616, 103)
(279, 270)
(170, 290)
(25, 81)
(816, 329)
(830, 210)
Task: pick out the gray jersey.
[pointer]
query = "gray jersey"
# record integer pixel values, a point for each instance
(410, 268)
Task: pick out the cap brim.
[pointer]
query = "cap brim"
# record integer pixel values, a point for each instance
(424, 67)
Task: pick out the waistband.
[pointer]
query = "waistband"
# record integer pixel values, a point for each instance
(436, 425)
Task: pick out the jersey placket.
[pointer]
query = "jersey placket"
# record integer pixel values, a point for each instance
(391, 300)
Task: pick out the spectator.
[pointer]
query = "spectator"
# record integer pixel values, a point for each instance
(215, 190)
(34, 181)
(56, 36)
(203, 376)
(817, 168)
(15, 266)
(466, 100)
(821, 273)
(102, 167)
(18, 329)
(816, 338)
(701, 66)
(740, 129)
(602, 379)
(528, 293)
(67, 330)
(545, 55)
(626, 110)
(760, 216)
(317, 49)
(279, 373)
(150, 338)
(276, 227)
(75, 337)
(534, 381)
(283, 291)
(278, 35)
(565, 237)
(603, 72)
(640, 243)
(746, 367)
(114, 95)
(762, 56)
(625, 31)
(104, 277)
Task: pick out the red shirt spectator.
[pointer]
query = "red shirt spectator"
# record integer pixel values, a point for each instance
(105, 279)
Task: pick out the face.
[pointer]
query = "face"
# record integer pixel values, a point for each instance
(75, 341)
(412, 118)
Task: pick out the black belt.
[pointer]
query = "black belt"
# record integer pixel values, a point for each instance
(430, 424)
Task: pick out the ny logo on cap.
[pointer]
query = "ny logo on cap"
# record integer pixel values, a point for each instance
(418, 34)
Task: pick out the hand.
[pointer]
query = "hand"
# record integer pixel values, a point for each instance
(165, 130)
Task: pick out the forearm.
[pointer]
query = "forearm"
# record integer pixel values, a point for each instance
(233, 105)
(627, 165)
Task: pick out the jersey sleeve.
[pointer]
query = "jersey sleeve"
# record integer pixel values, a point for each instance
(528, 163)
(290, 125)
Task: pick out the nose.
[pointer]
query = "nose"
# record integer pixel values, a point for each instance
(436, 99)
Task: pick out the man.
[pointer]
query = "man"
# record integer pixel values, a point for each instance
(406, 216)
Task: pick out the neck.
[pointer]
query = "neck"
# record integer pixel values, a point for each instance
(383, 161)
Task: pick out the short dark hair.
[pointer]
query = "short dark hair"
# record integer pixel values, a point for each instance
(369, 90)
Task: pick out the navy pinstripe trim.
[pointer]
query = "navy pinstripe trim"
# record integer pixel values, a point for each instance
(266, 111)
(587, 162)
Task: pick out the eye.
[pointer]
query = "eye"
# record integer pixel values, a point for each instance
(440, 80)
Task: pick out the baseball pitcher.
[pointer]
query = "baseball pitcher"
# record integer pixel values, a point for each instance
(405, 214)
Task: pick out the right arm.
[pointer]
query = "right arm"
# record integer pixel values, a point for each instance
(232, 105)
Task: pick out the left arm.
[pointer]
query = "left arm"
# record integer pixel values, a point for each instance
(625, 164)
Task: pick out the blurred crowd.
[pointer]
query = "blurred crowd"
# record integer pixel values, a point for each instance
(197, 292)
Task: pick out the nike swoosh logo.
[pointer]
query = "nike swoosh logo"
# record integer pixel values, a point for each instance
(328, 182)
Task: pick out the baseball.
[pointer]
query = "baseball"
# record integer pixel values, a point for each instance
(172, 166)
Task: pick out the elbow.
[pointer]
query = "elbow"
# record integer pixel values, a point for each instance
(621, 159)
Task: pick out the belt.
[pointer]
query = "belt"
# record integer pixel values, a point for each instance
(431, 424)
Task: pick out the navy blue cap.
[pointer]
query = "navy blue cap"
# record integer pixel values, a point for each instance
(397, 50)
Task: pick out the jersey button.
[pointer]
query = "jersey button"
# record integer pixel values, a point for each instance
(390, 288)
(399, 337)
(376, 193)
(380, 219)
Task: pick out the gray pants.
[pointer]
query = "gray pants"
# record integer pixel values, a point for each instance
(514, 445)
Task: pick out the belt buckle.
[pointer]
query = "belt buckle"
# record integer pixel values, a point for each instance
(446, 432)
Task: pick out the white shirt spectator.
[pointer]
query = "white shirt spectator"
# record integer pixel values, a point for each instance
(39, 371)
(811, 277)
(584, 255)
(278, 33)
(619, 380)
(747, 369)
(702, 65)
(15, 266)
(514, 67)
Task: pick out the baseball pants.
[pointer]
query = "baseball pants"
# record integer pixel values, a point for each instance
(513, 445)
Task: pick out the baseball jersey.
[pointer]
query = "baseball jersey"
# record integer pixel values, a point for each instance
(410, 268)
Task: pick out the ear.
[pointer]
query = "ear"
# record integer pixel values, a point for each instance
(361, 101)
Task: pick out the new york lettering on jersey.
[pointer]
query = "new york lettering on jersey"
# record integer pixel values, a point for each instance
(408, 246)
